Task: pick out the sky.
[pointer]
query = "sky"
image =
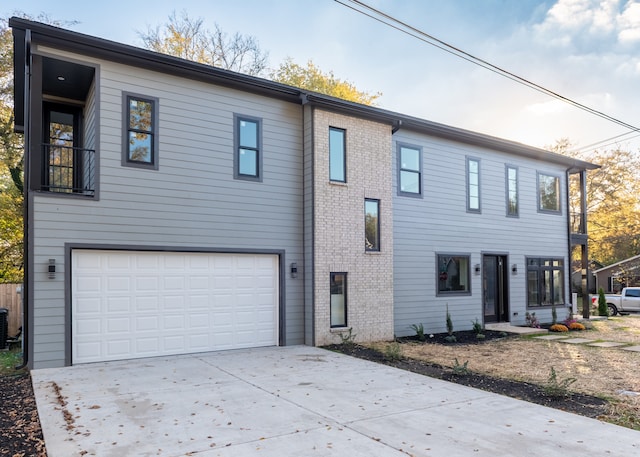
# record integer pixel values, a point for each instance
(585, 50)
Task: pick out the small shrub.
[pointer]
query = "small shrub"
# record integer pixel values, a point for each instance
(480, 336)
(557, 388)
(576, 326)
(602, 303)
(558, 328)
(348, 338)
(477, 327)
(569, 320)
(419, 329)
(532, 320)
(449, 322)
(393, 351)
(450, 338)
(461, 370)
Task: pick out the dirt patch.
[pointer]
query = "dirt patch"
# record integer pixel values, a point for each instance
(607, 380)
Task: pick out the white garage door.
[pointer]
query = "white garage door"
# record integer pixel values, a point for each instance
(128, 305)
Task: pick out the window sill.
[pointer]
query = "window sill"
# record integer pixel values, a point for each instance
(338, 183)
(339, 329)
(373, 252)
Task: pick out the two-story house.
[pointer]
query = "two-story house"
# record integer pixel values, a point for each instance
(173, 207)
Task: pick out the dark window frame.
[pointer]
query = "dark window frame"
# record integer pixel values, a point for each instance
(375, 247)
(259, 150)
(542, 265)
(343, 153)
(510, 212)
(344, 321)
(154, 131)
(399, 147)
(468, 161)
(558, 181)
(441, 257)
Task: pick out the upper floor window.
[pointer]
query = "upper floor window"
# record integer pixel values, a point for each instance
(141, 139)
(337, 155)
(409, 170)
(371, 225)
(454, 274)
(473, 184)
(513, 205)
(548, 193)
(248, 155)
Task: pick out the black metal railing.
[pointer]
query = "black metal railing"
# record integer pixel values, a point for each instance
(68, 169)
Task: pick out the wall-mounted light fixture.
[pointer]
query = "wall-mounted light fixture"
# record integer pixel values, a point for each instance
(52, 268)
(514, 269)
(476, 268)
(294, 270)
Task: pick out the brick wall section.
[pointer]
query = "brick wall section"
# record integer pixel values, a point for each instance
(339, 228)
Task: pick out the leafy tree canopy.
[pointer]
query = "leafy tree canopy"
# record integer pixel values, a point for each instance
(313, 79)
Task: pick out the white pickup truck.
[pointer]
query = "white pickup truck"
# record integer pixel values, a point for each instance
(628, 300)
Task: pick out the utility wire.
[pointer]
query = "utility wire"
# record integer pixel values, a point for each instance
(414, 32)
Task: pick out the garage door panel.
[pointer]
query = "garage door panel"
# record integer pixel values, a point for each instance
(140, 304)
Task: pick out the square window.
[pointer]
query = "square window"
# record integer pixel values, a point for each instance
(545, 282)
(338, 297)
(248, 143)
(141, 136)
(409, 170)
(454, 274)
(371, 225)
(337, 155)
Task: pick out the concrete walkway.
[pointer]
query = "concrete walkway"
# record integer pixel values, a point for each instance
(297, 401)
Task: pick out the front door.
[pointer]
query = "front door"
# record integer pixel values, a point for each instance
(61, 141)
(495, 290)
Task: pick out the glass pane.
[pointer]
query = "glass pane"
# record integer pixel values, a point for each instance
(557, 287)
(248, 134)
(473, 167)
(532, 289)
(338, 305)
(248, 162)
(453, 274)
(336, 155)
(474, 202)
(140, 115)
(410, 182)
(547, 293)
(372, 237)
(549, 193)
(140, 147)
(410, 159)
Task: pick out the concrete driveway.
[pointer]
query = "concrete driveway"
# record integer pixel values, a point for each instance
(297, 401)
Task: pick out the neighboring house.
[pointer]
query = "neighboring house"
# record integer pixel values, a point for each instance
(172, 207)
(576, 277)
(615, 277)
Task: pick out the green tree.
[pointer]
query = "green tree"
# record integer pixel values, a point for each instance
(313, 79)
(187, 38)
(602, 303)
(613, 208)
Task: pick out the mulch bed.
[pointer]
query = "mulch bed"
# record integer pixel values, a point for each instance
(585, 405)
(20, 432)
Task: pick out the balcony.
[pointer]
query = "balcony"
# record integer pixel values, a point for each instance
(68, 170)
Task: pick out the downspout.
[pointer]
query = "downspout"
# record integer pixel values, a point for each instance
(26, 288)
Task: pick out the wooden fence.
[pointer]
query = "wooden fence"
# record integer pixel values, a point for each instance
(12, 300)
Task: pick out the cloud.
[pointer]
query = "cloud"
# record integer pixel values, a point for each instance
(629, 23)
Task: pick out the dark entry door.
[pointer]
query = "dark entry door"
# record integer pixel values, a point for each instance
(61, 141)
(495, 288)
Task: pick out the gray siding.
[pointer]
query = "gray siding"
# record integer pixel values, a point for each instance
(439, 223)
(192, 201)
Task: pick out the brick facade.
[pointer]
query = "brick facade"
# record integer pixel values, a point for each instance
(339, 240)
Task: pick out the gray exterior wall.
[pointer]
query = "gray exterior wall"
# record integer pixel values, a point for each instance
(440, 223)
(192, 201)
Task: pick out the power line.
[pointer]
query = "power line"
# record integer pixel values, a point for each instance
(414, 32)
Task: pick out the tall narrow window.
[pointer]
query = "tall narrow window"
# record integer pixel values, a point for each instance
(337, 155)
(473, 185)
(513, 206)
(338, 304)
(548, 193)
(248, 155)
(371, 225)
(409, 170)
(141, 119)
